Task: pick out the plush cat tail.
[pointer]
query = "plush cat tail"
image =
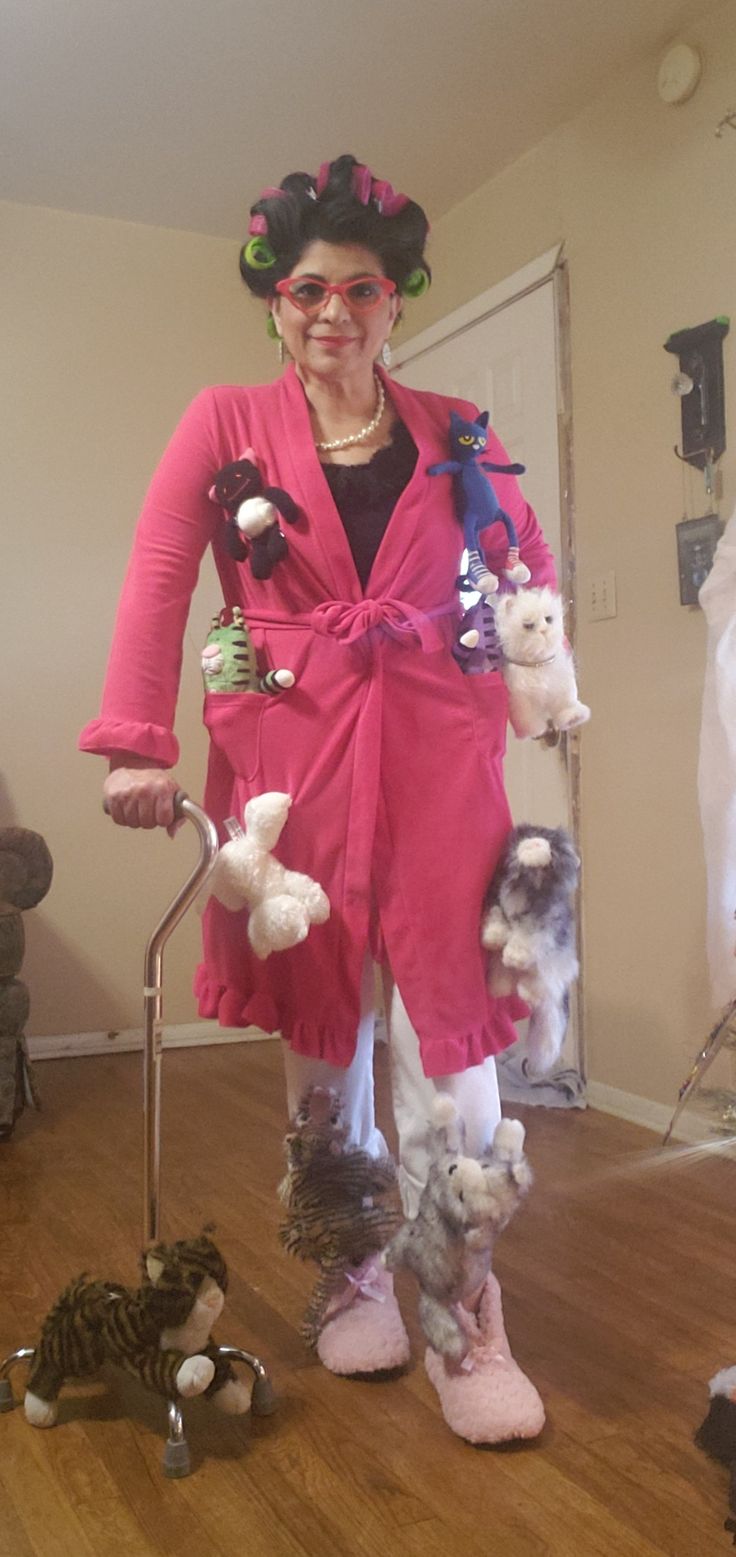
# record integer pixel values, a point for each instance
(447, 1123)
(545, 1035)
(277, 680)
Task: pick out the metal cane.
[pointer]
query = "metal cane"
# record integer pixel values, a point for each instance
(152, 1009)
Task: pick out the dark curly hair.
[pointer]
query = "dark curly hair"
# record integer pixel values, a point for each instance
(343, 204)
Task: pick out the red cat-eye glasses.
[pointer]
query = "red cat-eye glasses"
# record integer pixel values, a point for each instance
(360, 295)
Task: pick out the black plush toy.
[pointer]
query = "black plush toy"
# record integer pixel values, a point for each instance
(717, 1433)
(253, 528)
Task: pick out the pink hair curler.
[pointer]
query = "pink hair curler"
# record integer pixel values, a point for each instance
(385, 198)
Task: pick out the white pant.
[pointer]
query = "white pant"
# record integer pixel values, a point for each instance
(475, 1090)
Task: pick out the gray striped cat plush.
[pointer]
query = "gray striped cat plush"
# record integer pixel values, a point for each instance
(159, 1332)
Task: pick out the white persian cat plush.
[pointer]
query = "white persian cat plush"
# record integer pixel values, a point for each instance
(538, 665)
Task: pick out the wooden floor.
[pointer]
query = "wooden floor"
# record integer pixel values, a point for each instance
(620, 1288)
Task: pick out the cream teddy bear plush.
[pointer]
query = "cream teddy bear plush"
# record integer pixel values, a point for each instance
(282, 903)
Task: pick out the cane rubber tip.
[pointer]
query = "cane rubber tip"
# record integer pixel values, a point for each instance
(263, 1401)
(176, 1461)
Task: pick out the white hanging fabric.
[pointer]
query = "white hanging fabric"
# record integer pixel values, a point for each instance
(717, 765)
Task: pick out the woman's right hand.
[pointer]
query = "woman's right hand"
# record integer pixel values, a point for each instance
(137, 795)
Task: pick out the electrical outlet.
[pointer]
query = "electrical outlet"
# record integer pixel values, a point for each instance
(602, 597)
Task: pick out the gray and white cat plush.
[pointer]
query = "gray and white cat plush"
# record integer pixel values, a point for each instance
(465, 1203)
(538, 668)
(529, 927)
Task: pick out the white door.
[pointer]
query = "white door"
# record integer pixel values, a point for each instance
(506, 363)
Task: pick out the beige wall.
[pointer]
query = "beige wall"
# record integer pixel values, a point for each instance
(643, 196)
(110, 328)
(114, 327)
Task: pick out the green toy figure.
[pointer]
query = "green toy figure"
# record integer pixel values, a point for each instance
(229, 659)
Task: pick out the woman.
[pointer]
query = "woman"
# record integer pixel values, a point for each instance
(393, 757)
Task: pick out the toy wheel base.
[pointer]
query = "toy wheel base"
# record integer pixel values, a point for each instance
(24, 1355)
(176, 1461)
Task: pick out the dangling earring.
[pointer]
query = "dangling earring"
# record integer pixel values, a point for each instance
(386, 355)
(273, 335)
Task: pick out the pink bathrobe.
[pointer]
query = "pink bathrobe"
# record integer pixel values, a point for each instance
(392, 756)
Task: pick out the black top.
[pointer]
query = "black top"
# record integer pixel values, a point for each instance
(366, 495)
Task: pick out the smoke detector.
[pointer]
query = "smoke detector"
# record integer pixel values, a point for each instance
(679, 73)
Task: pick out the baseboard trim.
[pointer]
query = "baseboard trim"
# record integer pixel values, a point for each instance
(184, 1035)
(643, 1111)
(181, 1035)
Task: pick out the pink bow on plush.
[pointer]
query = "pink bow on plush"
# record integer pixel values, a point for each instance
(364, 1282)
(481, 1354)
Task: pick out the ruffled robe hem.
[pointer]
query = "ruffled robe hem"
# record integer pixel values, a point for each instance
(442, 1055)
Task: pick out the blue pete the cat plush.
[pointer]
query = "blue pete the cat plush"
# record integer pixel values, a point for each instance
(476, 501)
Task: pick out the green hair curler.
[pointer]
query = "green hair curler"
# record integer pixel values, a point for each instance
(258, 254)
(416, 284)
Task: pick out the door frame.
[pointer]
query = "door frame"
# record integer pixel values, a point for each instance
(550, 267)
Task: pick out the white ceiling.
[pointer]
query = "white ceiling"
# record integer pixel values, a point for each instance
(177, 112)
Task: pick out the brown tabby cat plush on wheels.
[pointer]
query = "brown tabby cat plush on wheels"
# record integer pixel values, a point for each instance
(160, 1333)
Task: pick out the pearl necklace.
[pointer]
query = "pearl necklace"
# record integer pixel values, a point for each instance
(365, 432)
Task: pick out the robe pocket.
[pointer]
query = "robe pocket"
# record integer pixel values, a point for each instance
(234, 722)
(489, 698)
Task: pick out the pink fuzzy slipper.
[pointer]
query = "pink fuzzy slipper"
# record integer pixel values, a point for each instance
(486, 1398)
(364, 1331)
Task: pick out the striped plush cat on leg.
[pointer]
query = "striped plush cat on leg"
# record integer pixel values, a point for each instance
(160, 1332)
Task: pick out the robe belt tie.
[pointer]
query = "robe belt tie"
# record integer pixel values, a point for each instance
(348, 621)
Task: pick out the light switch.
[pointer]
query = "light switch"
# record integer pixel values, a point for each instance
(602, 596)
